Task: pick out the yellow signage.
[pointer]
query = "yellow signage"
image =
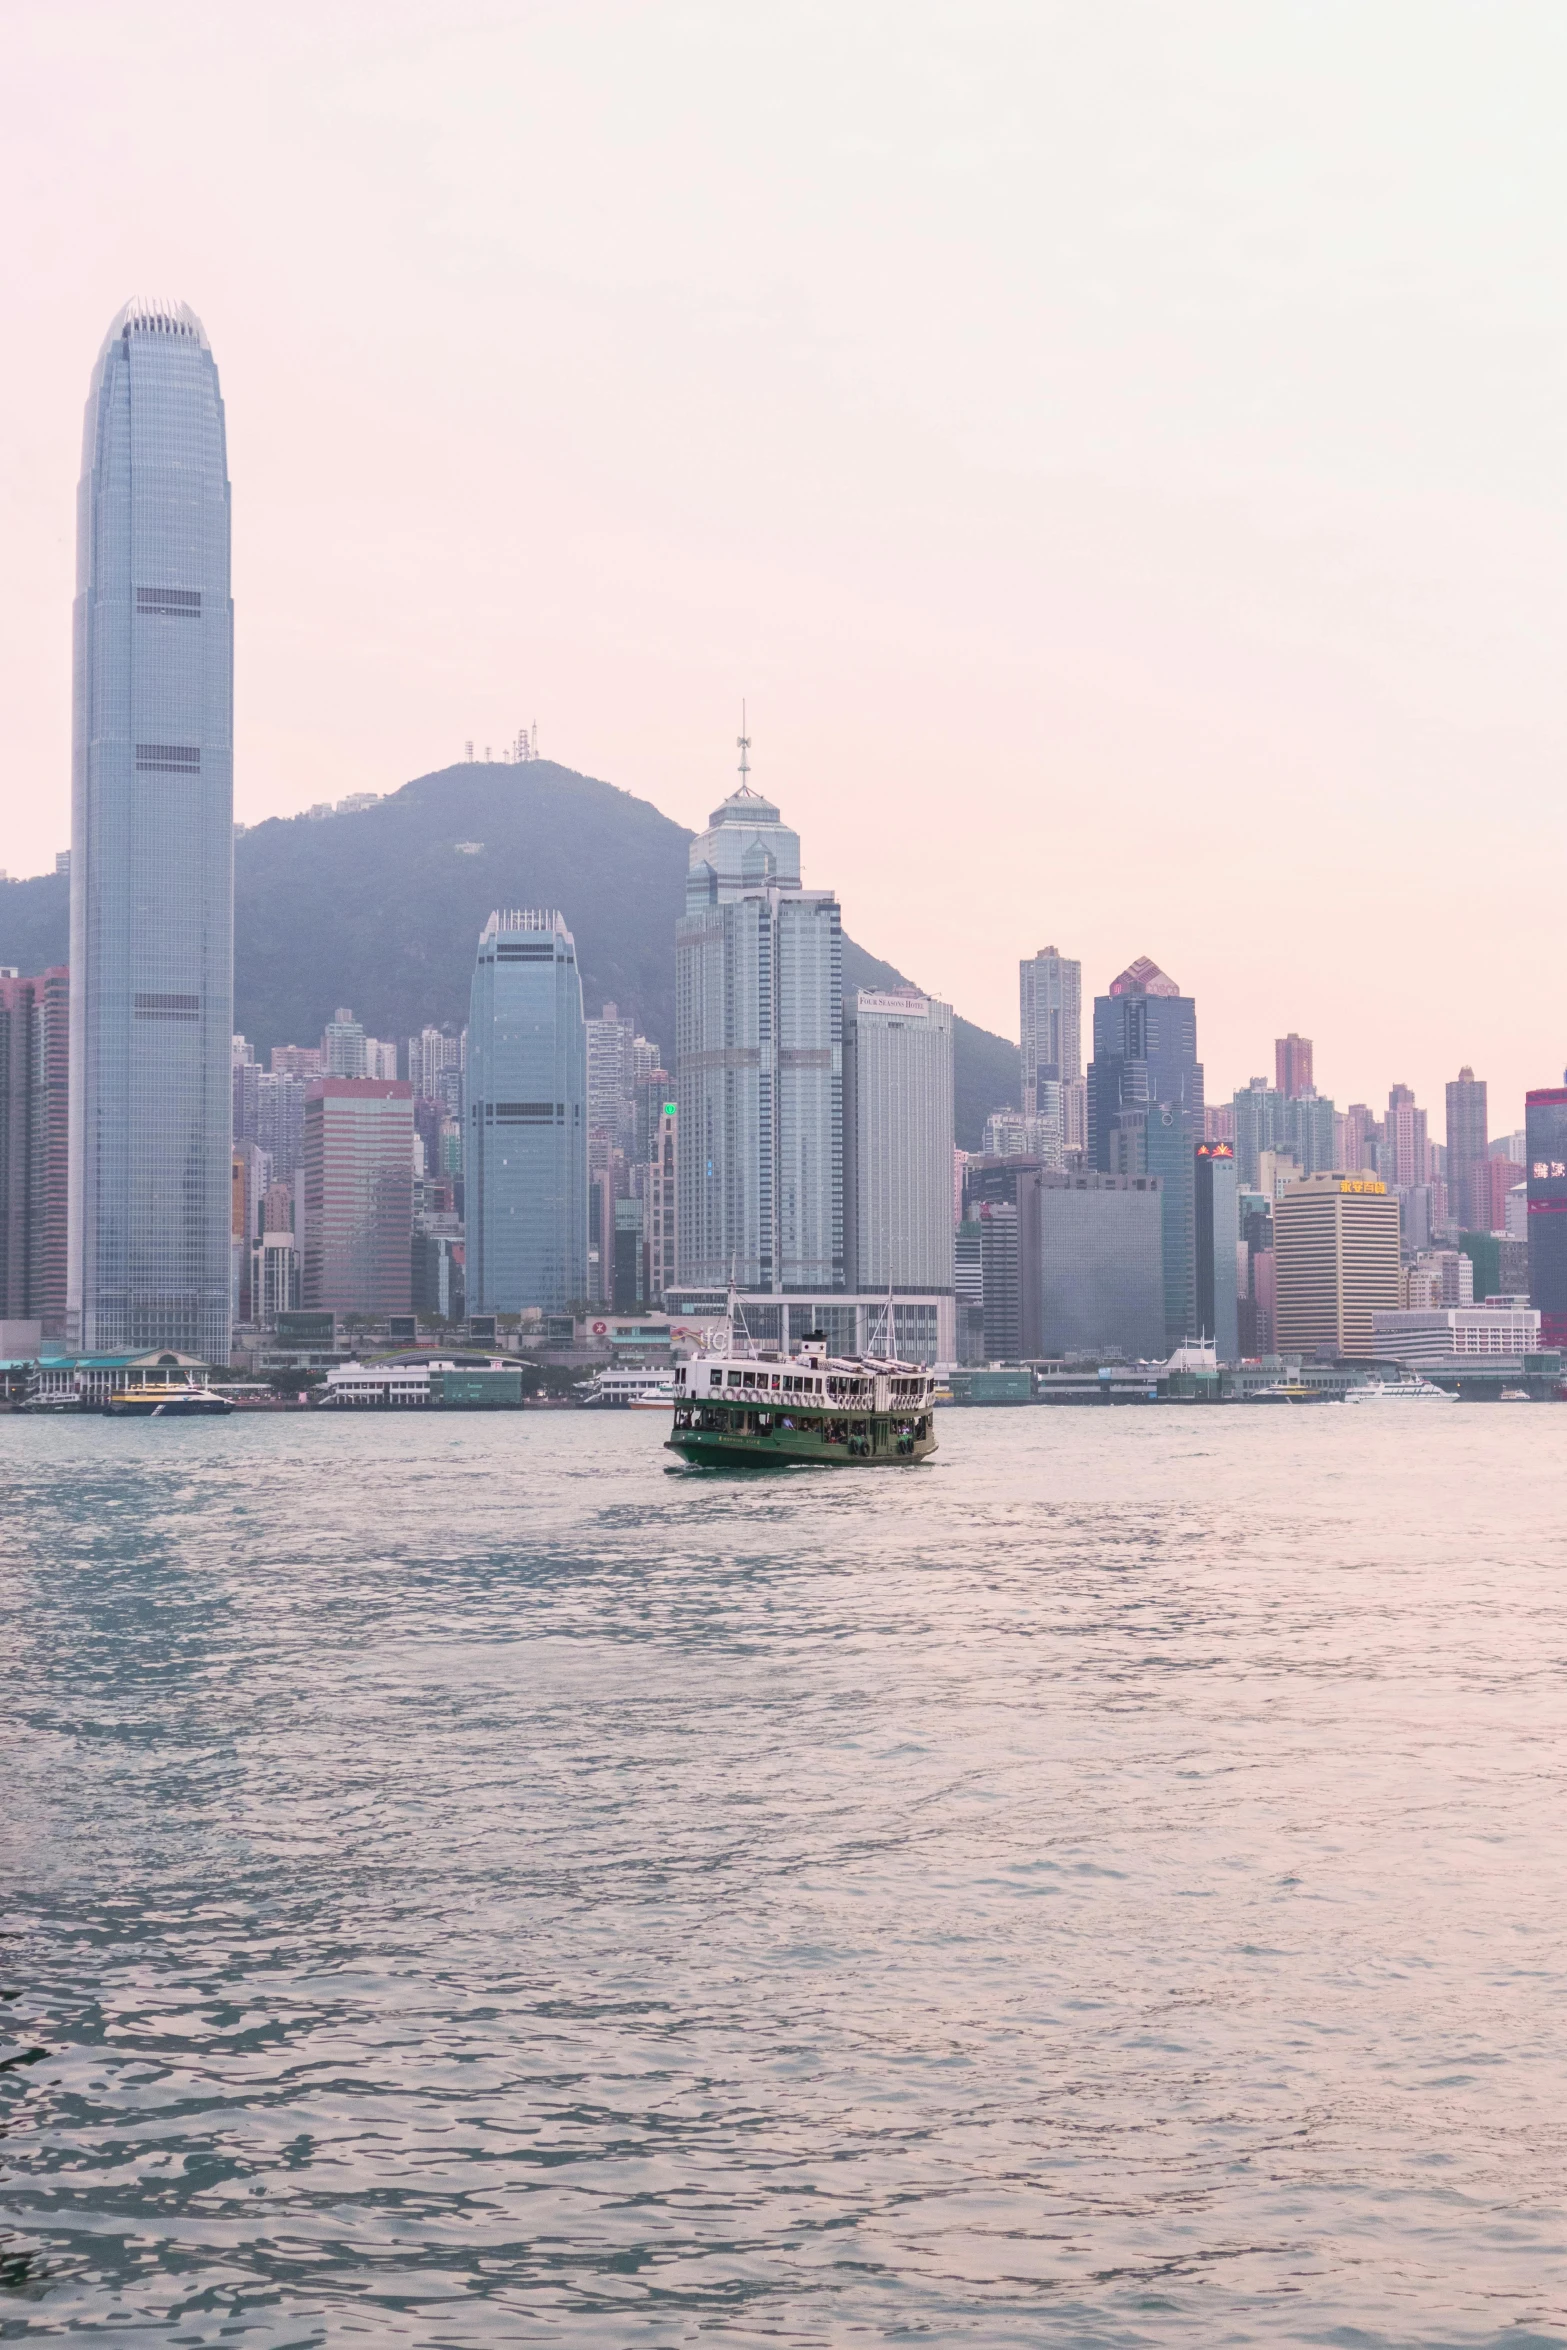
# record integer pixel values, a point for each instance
(1352, 1183)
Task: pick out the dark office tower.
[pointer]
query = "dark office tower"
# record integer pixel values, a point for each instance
(1292, 1065)
(1545, 1167)
(34, 1089)
(1468, 1180)
(1217, 1239)
(152, 827)
(1145, 1113)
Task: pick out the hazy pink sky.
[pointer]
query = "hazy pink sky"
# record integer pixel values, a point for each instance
(1118, 451)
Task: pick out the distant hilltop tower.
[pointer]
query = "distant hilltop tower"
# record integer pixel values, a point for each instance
(152, 816)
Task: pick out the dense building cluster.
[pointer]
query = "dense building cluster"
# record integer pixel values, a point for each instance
(159, 1186)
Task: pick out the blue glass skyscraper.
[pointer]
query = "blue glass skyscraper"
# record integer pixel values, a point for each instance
(1145, 1113)
(152, 860)
(526, 1157)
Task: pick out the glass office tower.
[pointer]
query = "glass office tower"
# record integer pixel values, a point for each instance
(1145, 1105)
(526, 1158)
(152, 861)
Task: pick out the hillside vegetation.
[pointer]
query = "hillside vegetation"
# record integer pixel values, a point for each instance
(381, 909)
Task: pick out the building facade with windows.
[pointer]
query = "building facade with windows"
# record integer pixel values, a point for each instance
(526, 1151)
(1336, 1263)
(358, 1196)
(1050, 1024)
(34, 1147)
(1145, 1113)
(897, 1148)
(1545, 1170)
(1468, 1177)
(759, 1061)
(152, 815)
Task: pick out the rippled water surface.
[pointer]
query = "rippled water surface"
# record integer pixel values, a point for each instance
(465, 1884)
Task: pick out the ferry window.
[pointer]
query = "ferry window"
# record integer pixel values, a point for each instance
(734, 1378)
(777, 1382)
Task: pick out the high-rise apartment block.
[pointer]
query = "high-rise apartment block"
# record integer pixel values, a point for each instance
(1468, 1187)
(1409, 1161)
(1336, 1263)
(34, 1147)
(358, 1195)
(1145, 1113)
(435, 1069)
(897, 1148)
(526, 1156)
(152, 902)
(759, 1060)
(1292, 1065)
(1050, 1023)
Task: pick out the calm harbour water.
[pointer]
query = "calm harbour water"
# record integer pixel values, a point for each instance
(467, 1885)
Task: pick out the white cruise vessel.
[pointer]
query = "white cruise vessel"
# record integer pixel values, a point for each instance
(1399, 1391)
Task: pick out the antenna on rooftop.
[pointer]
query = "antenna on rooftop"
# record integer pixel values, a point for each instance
(743, 746)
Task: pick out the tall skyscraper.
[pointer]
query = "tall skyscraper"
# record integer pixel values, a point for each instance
(1335, 1241)
(1050, 1023)
(759, 1060)
(1145, 1113)
(1468, 1185)
(526, 1156)
(897, 1142)
(612, 1078)
(1410, 1158)
(659, 1201)
(1292, 1065)
(359, 1195)
(1218, 1239)
(152, 831)
(34, 1099)
(1545, 1168)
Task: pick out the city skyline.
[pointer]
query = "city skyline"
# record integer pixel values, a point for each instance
(1114, 524)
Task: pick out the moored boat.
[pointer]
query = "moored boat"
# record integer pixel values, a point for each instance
(741, 1407)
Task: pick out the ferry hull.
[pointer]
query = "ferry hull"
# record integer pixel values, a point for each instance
(880, 1447)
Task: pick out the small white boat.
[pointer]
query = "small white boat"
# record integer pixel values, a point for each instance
(1404, 1391)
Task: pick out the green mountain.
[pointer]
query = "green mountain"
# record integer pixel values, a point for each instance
(382, 909)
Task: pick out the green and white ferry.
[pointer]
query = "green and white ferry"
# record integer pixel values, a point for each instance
(739, 1406)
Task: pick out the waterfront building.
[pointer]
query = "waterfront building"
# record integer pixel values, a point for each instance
(526, 1181)
(1292, 1064)
(897, 1141)
(1468, 1184)
(1145, 1112)
(34, 1147)
(358, 1196)
(1097, 1254)
(1336, 1263)
(152, 901)
(1217, 1238)
(759, 1061)
(1050, 1024)
(1545, 1130)
(1005, 1274)
(628, 1263)
(1442, 1333)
